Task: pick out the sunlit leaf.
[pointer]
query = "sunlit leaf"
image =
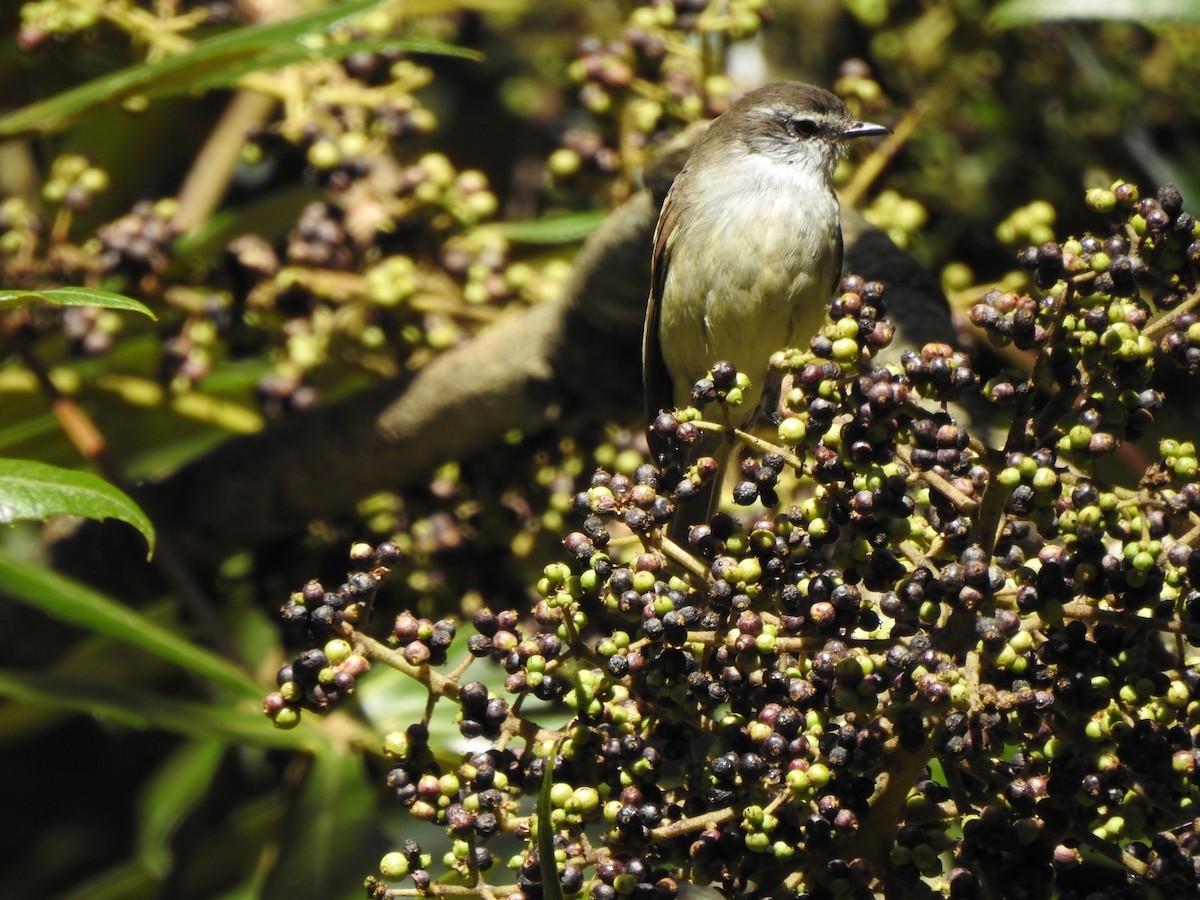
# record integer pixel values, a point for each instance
(76, 296)
(569, 228)
(218, 412)
(1016, 13)
(35, 491)
(278, 57)
(214, 62)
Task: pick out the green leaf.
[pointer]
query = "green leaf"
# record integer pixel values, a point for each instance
(35, 491)
(568, 228)
(228, 856)
(222, 719)
(278, 57)
(99, 659)
(173, 791)
(551, 883)
(126, 880)
(326, 842)
(28, 429)
(80, 605)
(1017, 13)
(77, 296)
(216, 61)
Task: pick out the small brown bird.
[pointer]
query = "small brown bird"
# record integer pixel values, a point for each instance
(747, 252)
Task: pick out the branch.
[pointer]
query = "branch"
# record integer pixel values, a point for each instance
(578, 355)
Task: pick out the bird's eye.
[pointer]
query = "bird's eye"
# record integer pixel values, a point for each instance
(804, 128)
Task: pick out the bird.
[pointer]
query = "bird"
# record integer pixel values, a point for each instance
(746, 254)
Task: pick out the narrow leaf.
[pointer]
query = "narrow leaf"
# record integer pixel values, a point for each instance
(1016, 13)
(278, 57)
(327, 838)
(80, 605)
(35, 491)
(76, 296)
(141, 709)
(173, 791)
(551, 883)
(568, 228)
(98, 659)
(238, 51)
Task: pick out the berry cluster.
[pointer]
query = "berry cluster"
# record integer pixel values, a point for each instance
(925, 666)
(340, 287)
(139, 243)
(646, 79)
(1090, 319)
(323, 675)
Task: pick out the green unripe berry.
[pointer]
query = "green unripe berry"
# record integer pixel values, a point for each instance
(393, 866)
(925, 859)
(643, 581)
(747, 571)
(625, 883)
(792, 431)
(1044, 478)
(560, 793)
(324, 154)
(818, 775)
(338, 651)
(1100, 200)
(93, 180)
(587, 799)
(395, 744)
(758, 842)
(797, 781)
(845, 349)
(1178, 694)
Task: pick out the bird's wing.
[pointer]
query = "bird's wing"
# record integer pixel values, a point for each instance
(838, 259)
(659, 391)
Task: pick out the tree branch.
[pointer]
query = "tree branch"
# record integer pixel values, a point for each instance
(576, 356)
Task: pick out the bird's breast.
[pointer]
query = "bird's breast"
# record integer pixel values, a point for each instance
(750, 269)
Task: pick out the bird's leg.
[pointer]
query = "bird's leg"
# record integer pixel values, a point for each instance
(774, 396)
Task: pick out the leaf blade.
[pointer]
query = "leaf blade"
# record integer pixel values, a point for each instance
(175, 73)
(329, 835)
(567, 228)
(172, 792)
(278, 57)
(1019, 13)
(35, 491)
(142, 709)
(78, 296)
(551, 884)
(70, 601)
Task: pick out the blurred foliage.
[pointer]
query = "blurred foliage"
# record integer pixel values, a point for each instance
(400, 183)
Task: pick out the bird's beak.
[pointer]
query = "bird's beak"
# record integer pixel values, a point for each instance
(864, 129)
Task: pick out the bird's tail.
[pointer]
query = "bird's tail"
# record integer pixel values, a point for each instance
(699, 507)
